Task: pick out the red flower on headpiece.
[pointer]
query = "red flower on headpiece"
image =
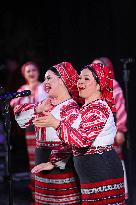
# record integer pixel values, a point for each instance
(105, 76)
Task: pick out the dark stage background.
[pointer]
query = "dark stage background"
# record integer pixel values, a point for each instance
(74, 31)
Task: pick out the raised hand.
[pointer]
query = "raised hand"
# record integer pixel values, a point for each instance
(44, 106)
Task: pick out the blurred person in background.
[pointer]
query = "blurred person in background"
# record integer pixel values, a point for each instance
(30, 72)
(121, 116)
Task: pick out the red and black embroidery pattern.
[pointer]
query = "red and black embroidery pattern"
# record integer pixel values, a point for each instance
(102, 193)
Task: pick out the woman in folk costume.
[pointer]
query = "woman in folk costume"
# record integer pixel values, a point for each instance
(121, 116)
(60, 185)
(91, 137)
(30, 71)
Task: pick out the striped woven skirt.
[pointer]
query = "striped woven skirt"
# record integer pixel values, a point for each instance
(101, 178)
(30, 143)
(57, 189)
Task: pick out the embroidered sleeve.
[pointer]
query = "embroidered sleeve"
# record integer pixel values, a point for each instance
(24, 114)
(16, 101)
(121, 114)
(59, 157)
(91, 124)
